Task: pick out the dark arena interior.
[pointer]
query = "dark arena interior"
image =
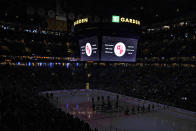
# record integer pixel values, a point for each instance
(90, 65)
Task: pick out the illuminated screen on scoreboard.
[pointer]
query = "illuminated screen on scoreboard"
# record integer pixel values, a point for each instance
(118, 49)
(89, 49)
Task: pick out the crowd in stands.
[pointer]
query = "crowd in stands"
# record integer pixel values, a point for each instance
(18, 41)
(14, 40)
(22, 108)
(175, 41)
(172, 86)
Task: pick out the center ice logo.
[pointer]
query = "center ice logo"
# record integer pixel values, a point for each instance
(88, 49)
(119, 49)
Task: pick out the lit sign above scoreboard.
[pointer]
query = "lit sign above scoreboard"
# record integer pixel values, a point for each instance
(80, 21)
(115, 19)
(118, 19)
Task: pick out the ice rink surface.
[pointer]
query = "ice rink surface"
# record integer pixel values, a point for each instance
(79, 103)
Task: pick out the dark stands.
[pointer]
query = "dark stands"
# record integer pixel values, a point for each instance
(23, 109)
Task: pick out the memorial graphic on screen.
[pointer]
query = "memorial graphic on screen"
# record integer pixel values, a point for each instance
(89, 49)
(118, 49)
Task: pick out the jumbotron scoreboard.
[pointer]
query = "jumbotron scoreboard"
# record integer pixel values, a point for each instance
(113, 42)
(118, 49)
(89, 49)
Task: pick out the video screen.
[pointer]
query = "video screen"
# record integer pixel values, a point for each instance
(118, 49)
(89, 49)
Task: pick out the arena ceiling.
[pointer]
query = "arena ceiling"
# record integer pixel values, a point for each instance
(148, 11)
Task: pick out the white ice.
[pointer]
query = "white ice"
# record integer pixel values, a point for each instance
(78, 103)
